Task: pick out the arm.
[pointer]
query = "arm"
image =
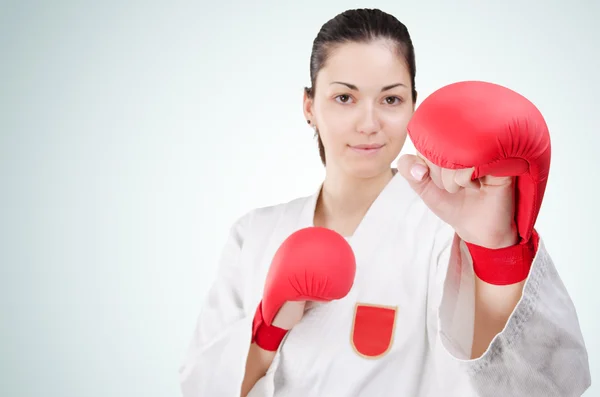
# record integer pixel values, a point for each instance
(234, 348)
(257, 364)
(494, 303)
(259, 360)
(537, 351)
(219, 360)
(493, 307)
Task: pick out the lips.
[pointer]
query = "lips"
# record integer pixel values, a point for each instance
(372, 146)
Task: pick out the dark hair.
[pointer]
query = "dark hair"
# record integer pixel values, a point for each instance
(359, 26)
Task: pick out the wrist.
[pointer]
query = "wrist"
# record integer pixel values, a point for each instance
(267, 337)
(503, 264)
(495, 239)
(506, 241)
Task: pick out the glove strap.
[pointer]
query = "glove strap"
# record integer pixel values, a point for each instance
(504, 266)
(267, 337)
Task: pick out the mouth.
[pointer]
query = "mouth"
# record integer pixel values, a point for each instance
(371, 148)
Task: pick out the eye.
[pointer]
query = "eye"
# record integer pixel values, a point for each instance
(393, 100)
(343, 98)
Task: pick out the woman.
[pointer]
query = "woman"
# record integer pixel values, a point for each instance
(446, 331)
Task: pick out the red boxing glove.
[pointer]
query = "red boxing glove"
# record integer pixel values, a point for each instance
(500, 133)
(312, 264)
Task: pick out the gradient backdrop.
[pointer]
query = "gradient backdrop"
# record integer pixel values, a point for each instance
(132, 134)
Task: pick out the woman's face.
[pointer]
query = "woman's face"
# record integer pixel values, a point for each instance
(361, 106)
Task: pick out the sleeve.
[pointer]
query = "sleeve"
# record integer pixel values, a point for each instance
(214, 364)
(540, 351)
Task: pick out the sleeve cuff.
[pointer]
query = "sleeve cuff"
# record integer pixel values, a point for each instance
(456, 312)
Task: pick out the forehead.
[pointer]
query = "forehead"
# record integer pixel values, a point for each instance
(371, 65)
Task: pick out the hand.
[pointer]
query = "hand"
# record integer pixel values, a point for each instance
(482, 212)
(312, 264)
(290, 314)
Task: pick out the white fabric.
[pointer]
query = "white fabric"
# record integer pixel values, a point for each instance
(406, 258)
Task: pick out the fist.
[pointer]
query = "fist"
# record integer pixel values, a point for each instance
(481, 211)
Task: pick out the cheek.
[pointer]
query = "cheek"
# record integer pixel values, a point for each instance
(334, 124)
(330, 114)
(334, 136)
(396, 125)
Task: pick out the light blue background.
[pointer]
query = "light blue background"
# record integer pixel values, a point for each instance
(132, 134)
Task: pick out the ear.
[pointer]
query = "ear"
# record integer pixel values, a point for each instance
(307, 106)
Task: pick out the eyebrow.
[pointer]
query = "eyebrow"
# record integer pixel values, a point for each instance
(353, 87)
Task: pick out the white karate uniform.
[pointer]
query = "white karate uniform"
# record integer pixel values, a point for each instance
(412, 267)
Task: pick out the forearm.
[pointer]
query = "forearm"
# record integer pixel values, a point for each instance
(257, 364)
(493, 306)
(507, 265)
(266, 342)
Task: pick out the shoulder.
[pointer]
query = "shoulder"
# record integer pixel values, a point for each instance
(270, 213)
(261, 220)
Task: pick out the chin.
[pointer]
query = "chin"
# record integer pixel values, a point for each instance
(367, 169)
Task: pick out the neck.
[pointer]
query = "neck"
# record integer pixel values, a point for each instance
(344, 200)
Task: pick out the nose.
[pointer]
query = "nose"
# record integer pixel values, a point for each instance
(368, 122)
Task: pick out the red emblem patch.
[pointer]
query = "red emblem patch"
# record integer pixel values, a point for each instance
(373, 330)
